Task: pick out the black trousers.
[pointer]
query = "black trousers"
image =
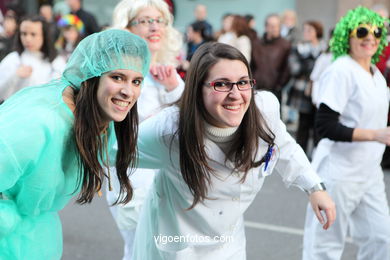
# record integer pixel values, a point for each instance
(305, 128)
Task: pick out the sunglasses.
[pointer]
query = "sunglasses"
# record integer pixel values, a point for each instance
(363, 30)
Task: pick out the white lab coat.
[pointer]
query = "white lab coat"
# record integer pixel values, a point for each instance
(42, 71)
(152, 99)
(164, 213)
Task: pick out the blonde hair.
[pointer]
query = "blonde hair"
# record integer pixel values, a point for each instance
(126, 10)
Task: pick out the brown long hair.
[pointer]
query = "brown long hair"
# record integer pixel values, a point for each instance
(240, 26)
(193, 157)
(91, 147)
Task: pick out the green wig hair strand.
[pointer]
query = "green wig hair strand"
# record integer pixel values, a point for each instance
(339, 43)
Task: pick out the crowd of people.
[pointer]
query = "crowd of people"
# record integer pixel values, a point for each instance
(181, 129)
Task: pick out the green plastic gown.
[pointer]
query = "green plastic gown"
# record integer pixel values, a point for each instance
(38, 163)
(38, 173)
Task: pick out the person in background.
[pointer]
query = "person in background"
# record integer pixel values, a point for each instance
(46, 11)
(301, 63)
(250, 20)
(196, 36)
(213, 150)
(289, 29)
(351, 121)
(7, 37)
(55, 139)
(91, 26)
(35, 60)
(242, 36)
(200, 14)
(151, 20)
(269, 61)
(72, 31)
(384, 60)
(384, 66)
(237, 34)
(225, 34)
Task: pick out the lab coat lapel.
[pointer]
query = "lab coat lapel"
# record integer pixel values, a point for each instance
(216, 154)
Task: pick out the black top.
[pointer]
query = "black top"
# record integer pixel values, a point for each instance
(327, 125)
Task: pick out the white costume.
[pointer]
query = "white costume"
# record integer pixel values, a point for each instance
(152, 99)
(213, 229)
(351, 170)
(322, 62)
(242, 43)
(42, 71)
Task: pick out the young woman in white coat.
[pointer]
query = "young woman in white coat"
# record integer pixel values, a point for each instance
(151, 20)
(352, 120)
(34, 60)
(213, 149)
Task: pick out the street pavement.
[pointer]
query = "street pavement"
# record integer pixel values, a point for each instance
(274, 226)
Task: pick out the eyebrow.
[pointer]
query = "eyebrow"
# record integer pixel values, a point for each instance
(226, 79)
(124, 75)
(147, 17)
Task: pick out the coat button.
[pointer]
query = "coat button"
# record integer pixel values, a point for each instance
(235, 199)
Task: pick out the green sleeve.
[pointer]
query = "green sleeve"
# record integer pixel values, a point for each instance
(9, 174)
(22, 144)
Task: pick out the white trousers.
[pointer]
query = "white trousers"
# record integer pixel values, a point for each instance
(126, 216)
(363, 209)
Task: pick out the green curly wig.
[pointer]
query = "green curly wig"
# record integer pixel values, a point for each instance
(339, 43)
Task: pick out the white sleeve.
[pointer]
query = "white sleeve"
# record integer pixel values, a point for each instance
(152, 151)
(336, 87)
(244, 45)
(292, 164)
(58, 65)
(8, 78)
(172, 96)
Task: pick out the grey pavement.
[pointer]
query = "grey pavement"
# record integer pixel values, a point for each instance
(274, 224)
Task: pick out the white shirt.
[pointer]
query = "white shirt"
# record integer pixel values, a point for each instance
(242, 43)
(164, 213)
(154, 96)
(322, 62)
(42, 71)
(362, 100)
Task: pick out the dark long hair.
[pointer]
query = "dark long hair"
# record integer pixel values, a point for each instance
(193, 157)
(92, 148)
(200, 27)
(47, 48)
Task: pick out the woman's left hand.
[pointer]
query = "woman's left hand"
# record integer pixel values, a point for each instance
(165, 75)
(320, 200)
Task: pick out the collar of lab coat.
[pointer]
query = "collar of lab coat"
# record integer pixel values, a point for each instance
(216, 154)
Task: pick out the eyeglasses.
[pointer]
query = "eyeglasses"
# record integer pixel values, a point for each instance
(363, 30)
(227, 86)
(149, 21)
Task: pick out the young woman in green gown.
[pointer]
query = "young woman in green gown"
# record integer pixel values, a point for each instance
(56, 138)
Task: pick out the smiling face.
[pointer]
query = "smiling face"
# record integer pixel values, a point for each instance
(31, 35)
(226, 109)
(117, 93)
(363, 48)
(153, 33)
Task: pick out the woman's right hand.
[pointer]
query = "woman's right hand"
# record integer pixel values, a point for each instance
(165, 75)
(24, 71)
